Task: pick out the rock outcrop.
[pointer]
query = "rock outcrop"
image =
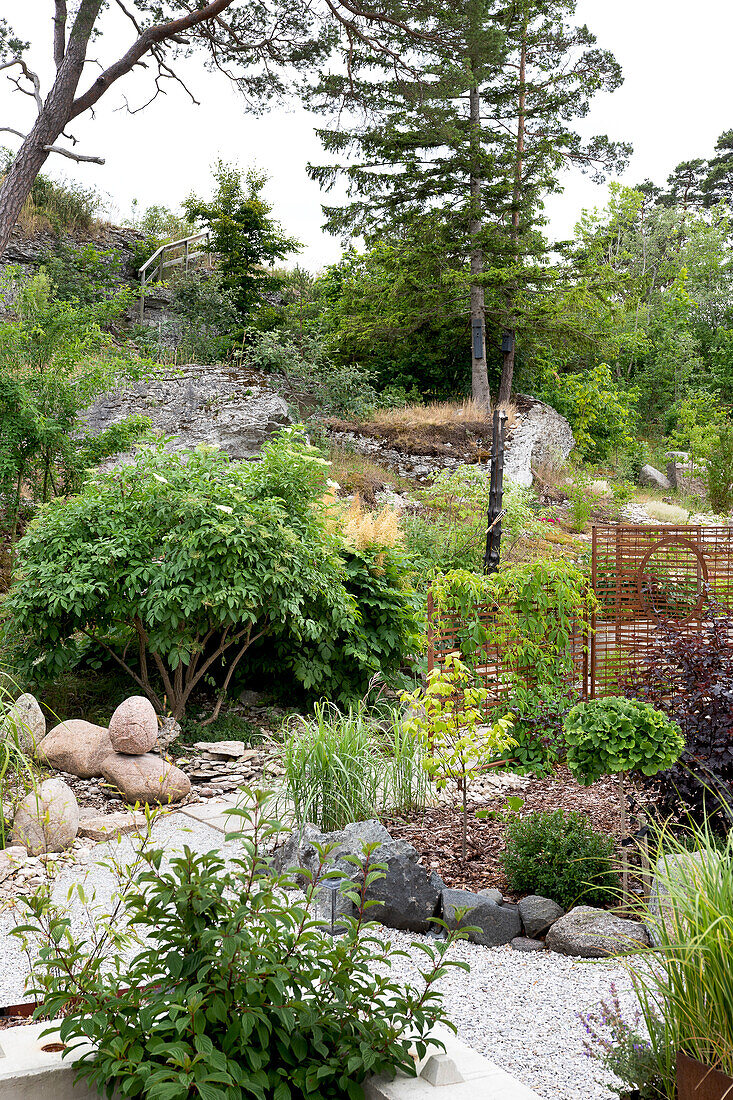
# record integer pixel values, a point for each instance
(221, 406)
(541, 437)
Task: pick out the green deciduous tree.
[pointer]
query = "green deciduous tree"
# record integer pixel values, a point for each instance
(244, 236)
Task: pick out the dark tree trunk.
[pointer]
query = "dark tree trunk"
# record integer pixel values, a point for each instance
(479, 373)
(507, 373)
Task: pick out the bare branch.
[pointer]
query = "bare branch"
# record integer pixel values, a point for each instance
(78, 157)
(29, 75)
(59, 32)
(10, 130)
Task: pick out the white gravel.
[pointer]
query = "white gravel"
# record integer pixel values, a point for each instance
(520, 1010)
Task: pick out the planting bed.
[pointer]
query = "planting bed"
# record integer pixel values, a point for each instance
(436, 833)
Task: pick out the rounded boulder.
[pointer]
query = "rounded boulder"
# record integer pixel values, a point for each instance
(133, 728)
(47, 819)
(147, 778)
(25, 723)
(76, 747)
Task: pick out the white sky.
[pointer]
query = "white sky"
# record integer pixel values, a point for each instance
(676, 100)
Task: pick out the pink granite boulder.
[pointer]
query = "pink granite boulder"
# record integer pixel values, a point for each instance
(133, 728)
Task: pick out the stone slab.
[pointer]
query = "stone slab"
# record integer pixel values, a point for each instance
(481, 1079)
(108, 826)
(27, 1072)
(213, 813)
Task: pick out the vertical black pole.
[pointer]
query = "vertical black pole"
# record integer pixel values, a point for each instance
(496, 493)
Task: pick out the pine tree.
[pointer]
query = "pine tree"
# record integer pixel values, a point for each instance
(478, 137)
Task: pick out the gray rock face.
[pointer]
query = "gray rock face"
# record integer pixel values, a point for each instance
(409, 894)
(133, 728)
(212, 404)
(538, 914)
(25, 723)
(146, 778)
(684, 476)
(590, 933)
(680, 870)
(495, 924)
(76, 747)
(649, 475)
(47, 820)
(542, 436)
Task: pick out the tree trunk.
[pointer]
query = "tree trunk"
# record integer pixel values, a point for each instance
(49, 125)
(507, 373)
(479, 373)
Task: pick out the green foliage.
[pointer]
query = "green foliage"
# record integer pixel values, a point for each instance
(66, 206)
(192, 559)
(205, 317)
(560, 856)
(606, 736)
(19, 772)
(246, 239)
(448, 717)
(84, 273)
(602, 414)
(686, 999)
(54, 360)
(623, 1051)
(227, 727)
(720, 471)
(232, 988)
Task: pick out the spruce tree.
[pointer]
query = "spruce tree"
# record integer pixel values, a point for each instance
(478, 137)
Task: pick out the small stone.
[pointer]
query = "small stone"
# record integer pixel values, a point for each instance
(25, 723)
(133, 728)
(108, 826)
(538, 914)
(47, 819)
(492, 894)
(233, 749)
(523, 943)
(589, 933)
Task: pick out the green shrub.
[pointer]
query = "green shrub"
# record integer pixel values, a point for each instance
(612, 735)
(84, 273)
(720, 472)
(601, 413)
(174, 565)
(233, 989)
(561, 856)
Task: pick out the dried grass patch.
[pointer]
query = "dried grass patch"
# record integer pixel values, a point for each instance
(462, 428)
(358, 474)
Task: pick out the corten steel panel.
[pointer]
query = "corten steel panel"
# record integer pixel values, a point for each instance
(644, 575)
(491, 664)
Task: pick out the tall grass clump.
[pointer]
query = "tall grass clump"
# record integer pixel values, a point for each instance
(18, 772)
(333, 769)
(686, 991)
(410, 782)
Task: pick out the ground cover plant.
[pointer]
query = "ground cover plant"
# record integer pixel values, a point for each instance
(561, 856)
(233, 989)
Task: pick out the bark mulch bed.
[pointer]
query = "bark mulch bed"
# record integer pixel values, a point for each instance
(436, 833)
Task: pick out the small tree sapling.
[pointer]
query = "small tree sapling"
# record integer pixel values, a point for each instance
(447, 716)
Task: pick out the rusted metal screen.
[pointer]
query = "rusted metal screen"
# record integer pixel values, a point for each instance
(495, 668)
(644, 575)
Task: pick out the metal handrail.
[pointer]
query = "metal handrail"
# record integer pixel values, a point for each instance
(185, 243)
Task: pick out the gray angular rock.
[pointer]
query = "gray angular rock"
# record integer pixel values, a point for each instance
(76, 747)
(590, 933)
(25, 723)
(133, 728)
(490, 892)
(541, 437)
(409, 894)
(651, 476)
(496, 924)
(538, 914)
(47, 819)
(523, 943)
(146, 778)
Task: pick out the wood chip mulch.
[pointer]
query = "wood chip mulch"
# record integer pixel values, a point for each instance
(436, 833)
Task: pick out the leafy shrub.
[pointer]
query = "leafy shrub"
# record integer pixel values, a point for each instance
(222, 554)
(538, 725)
(688, 675)
(233, 989)
(84, 273)
(559, 855)
(611, 735)
(601, 413)
(720, 471)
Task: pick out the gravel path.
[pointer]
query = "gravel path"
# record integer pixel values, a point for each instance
(518, 1009)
